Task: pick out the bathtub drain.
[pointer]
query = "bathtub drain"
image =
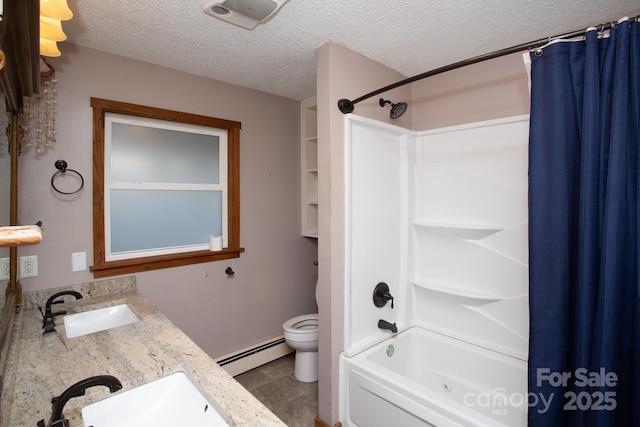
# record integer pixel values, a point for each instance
(390, 350)
(446, 387)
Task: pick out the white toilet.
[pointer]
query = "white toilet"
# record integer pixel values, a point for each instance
(301, 334)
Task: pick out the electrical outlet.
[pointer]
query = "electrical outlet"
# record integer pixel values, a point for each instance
(29, 266)
(4, 268)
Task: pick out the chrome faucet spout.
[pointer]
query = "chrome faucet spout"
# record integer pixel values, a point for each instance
(78, 389)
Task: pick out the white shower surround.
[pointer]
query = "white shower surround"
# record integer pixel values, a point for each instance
(441, 217)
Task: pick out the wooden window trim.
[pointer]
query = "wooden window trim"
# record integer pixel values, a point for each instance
(103, 268)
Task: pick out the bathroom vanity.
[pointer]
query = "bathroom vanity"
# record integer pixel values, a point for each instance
(41, 367)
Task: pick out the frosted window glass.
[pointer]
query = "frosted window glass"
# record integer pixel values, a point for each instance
(188, 218)
(149, 154)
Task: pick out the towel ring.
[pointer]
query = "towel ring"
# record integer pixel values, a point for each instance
(61, 165)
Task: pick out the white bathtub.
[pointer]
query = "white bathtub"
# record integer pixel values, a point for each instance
(421, 378)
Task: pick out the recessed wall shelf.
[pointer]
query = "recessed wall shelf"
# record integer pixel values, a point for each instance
(466, 296)
(309, 166)
(459, 231)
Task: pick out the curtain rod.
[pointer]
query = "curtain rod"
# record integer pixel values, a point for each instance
(347, 106)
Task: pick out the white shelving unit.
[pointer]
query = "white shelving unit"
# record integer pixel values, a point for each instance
(309, 166)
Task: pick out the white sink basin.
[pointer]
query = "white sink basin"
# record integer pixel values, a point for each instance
(101, 319)
(168, 402)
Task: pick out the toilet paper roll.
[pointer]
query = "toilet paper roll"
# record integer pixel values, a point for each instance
(215, 243)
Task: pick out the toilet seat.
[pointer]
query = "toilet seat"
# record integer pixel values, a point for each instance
(302, 328)
(302, 323)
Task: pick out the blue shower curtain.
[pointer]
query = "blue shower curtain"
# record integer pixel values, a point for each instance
(584, 348)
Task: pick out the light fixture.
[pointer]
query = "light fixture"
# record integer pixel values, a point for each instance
(51, 29)
(55, 9)
(243, 13)
(49, 48)
(52, 12)
(39, 121)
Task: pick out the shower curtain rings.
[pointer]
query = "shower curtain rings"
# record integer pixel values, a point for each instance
(61, 165)
(542, 43)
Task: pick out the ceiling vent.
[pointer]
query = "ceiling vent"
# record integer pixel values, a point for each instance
(243, 13)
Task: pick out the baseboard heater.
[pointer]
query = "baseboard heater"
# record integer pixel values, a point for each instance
(251, 357)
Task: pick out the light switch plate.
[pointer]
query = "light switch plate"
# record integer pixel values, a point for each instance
(78, 261)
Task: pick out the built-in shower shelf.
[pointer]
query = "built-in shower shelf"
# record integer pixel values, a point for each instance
(460, 231)
(466, 296)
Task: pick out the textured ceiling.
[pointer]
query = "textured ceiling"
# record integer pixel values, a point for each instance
(279, 57)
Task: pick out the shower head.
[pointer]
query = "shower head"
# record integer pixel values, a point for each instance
(396, 109)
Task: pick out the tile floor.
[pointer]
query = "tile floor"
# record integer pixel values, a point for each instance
(294, 402)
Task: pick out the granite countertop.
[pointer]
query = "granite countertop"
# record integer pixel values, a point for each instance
(44, 366)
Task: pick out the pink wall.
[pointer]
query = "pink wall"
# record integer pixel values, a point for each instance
(484, 91)
(274, 278)
(341, 74)
(489, 90)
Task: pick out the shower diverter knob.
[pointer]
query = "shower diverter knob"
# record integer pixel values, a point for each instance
(381, 295)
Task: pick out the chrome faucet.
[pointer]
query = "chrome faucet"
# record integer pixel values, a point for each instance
(76, 390)
(48, 323)
(383, 324)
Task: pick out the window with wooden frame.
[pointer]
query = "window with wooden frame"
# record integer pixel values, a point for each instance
(164, 182)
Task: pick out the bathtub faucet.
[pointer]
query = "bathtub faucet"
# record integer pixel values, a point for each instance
(383, 324)
(381, 295)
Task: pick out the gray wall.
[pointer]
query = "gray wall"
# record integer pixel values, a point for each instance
(275, 276)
